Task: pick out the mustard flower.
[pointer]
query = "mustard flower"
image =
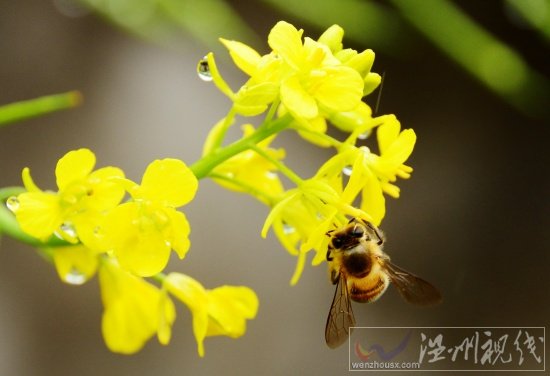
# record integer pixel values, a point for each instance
(250, 172)
(134, 310)
(369, 174)
(305, 75)
(360, 61)
(221, 311)
(142, 232)
(73, 212)
(302, 217)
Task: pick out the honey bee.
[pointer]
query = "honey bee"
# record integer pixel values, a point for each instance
(362, 271)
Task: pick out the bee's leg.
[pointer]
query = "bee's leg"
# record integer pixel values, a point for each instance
(376, 231)
(329, 254)
(334, 276)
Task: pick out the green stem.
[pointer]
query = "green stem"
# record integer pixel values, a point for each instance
(205, 165)
(245, 187)
(226, 124)
(11, 113)
(272, 110)
(330, 140)
(10, 227)
(280, 165)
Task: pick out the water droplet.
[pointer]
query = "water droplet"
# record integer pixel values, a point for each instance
(203, 70)
(66, 232)
(288, 229)
(75, 277)
(347, 170)
(363, 136)
(12, 203)
(365, 150)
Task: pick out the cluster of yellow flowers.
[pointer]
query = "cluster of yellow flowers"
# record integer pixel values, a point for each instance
(126, 241)
(300, 85)
(314, 82)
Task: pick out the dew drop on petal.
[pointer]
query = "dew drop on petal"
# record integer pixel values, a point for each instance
(347, 170)
(66, 231)
(363, 136)
(203, 70)
(365, 150)
(75, 277)
(12, 203)
(288, 229)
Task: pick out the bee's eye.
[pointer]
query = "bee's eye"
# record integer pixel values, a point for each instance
(337, 242)
(357, 232)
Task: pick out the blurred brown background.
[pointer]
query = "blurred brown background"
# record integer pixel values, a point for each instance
(473, 219)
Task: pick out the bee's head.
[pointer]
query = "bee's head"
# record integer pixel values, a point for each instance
(349, 237)
(353, 233)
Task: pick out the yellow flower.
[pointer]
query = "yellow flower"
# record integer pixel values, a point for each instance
(305, 75)
(302, 217)
(134, 310)
(221, 311)
(142, 232)
(315, 80)
(250, 172)
(371, 174)
(83, 196)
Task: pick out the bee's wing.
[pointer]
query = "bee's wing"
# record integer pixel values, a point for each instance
(414, 289)
(340, 317)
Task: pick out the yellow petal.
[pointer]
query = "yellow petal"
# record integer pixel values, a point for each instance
(277, 210)
(340, 89)
(250, 99)
(285, 40)
(371, 82)
(332, 38)
(387, 133)
(179, 237)
(74, 166)
(169, 181)
(244, 57)
(299, 267)
(75, 264)
(131, 309)
(39, 214)
(90, 229)
(28, 182)
(297, 100)
(362, 62)
(228, 309)
(147, 256)
(192, 294)
(358, 118)
(372, 199)
(138, 245)
(167, 315)
(400, 150)
(105, 193)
